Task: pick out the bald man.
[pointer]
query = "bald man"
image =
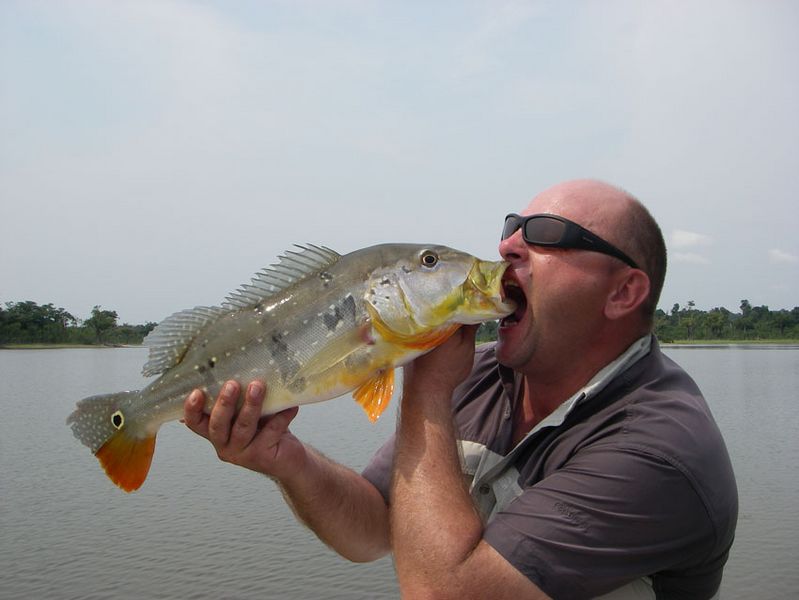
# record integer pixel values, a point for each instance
(571, 459)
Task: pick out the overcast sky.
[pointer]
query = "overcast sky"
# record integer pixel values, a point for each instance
(154, 155)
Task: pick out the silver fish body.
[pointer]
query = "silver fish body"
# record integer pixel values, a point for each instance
(313, 326)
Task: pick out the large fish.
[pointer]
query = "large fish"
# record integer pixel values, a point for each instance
(313, 326)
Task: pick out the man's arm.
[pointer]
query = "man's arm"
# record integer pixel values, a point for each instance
(436, 531)
(344, 510)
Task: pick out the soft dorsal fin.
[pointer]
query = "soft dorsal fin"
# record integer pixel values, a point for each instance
(292, 267)
(169, 341)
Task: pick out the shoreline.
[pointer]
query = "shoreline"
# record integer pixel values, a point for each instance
(47, 346)
(788, 343)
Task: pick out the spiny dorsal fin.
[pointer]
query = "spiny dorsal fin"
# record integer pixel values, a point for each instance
(292, 267)
(169, 341)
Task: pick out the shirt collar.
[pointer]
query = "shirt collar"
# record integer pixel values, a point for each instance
(598, 382)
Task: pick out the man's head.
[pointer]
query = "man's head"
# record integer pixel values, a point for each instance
(573, 295)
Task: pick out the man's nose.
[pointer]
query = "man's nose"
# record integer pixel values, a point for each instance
(513, 248)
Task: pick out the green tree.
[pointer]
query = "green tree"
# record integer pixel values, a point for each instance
(782, 320)
(487, 332)
(27, 322)
(101, 322)
(717, 321)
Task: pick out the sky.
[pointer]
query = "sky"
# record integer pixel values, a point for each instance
(154, 155)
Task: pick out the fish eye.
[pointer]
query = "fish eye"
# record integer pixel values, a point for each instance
(429, 259)
(118, 419)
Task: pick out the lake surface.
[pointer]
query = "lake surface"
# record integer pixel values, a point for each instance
(201, 529)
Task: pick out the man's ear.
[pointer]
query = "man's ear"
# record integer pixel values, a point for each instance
(630, 291)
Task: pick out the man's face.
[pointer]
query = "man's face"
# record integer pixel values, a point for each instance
(560, 292)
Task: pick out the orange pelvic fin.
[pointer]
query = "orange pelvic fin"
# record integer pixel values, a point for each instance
(375, 394)
(126, 459)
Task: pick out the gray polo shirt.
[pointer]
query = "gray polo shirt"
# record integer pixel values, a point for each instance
(626, 489)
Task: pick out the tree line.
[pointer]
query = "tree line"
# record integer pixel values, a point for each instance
(689, 323)
(751, 323)
(29, 323)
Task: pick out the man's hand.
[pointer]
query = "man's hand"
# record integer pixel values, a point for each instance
(340, 506)
(244, 438)
(441, 370)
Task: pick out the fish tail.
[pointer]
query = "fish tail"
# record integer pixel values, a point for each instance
(124, 449)
(126, 459)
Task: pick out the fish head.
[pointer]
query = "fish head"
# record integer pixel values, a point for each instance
(426, 287)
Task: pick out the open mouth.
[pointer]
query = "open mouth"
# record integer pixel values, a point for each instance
(512, 291)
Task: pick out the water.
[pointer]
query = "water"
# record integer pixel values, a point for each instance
(754, 395)
(198, 528)
(201, 529)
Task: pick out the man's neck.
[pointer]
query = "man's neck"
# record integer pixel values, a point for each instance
(547, 386)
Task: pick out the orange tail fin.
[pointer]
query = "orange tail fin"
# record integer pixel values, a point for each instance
(126, 459)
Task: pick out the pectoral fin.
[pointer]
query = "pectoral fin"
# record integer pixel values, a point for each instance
(375, 394)
(424, 340)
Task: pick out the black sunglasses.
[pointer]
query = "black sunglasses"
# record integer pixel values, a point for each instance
(552, 230)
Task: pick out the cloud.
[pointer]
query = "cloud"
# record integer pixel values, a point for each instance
(690, 258)
(778, 256)
(687, 239)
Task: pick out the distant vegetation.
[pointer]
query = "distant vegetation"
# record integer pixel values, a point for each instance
(752, 323)
(688, 323)
(28, 323)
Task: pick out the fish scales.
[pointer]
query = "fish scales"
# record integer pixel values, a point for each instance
(313, 326)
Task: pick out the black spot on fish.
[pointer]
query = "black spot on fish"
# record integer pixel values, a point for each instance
(326, 278)
(332, 319)
(201, 368)
(288, 366)
(117, 420)
(278, 348)
(348, 308)
(297, 385)
(211, 363)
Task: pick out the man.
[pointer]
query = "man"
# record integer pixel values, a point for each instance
(592, 464)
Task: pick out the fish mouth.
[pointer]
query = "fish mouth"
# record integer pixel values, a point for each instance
(513, 294)
(485, 278)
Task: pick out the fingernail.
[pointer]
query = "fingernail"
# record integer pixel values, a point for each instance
(229, 389)
(256, 389)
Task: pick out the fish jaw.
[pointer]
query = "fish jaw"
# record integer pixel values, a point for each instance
(483, 299)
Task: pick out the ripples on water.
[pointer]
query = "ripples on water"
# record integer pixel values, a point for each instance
(753, 394)
(196, 529)
(202, 529)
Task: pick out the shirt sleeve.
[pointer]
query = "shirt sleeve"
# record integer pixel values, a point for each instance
(609, 516)
(378, 471)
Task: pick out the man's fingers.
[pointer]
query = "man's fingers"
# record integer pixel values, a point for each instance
(222, 413)
(193, 415)
(246, 422)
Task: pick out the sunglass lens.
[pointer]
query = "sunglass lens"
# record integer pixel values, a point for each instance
(512, 223)
(543, 230)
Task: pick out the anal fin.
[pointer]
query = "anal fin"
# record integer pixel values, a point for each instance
(126, 459)
(375, 394)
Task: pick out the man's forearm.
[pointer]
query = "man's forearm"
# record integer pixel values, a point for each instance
(436, 532)
(344, 510)
(435, 526)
